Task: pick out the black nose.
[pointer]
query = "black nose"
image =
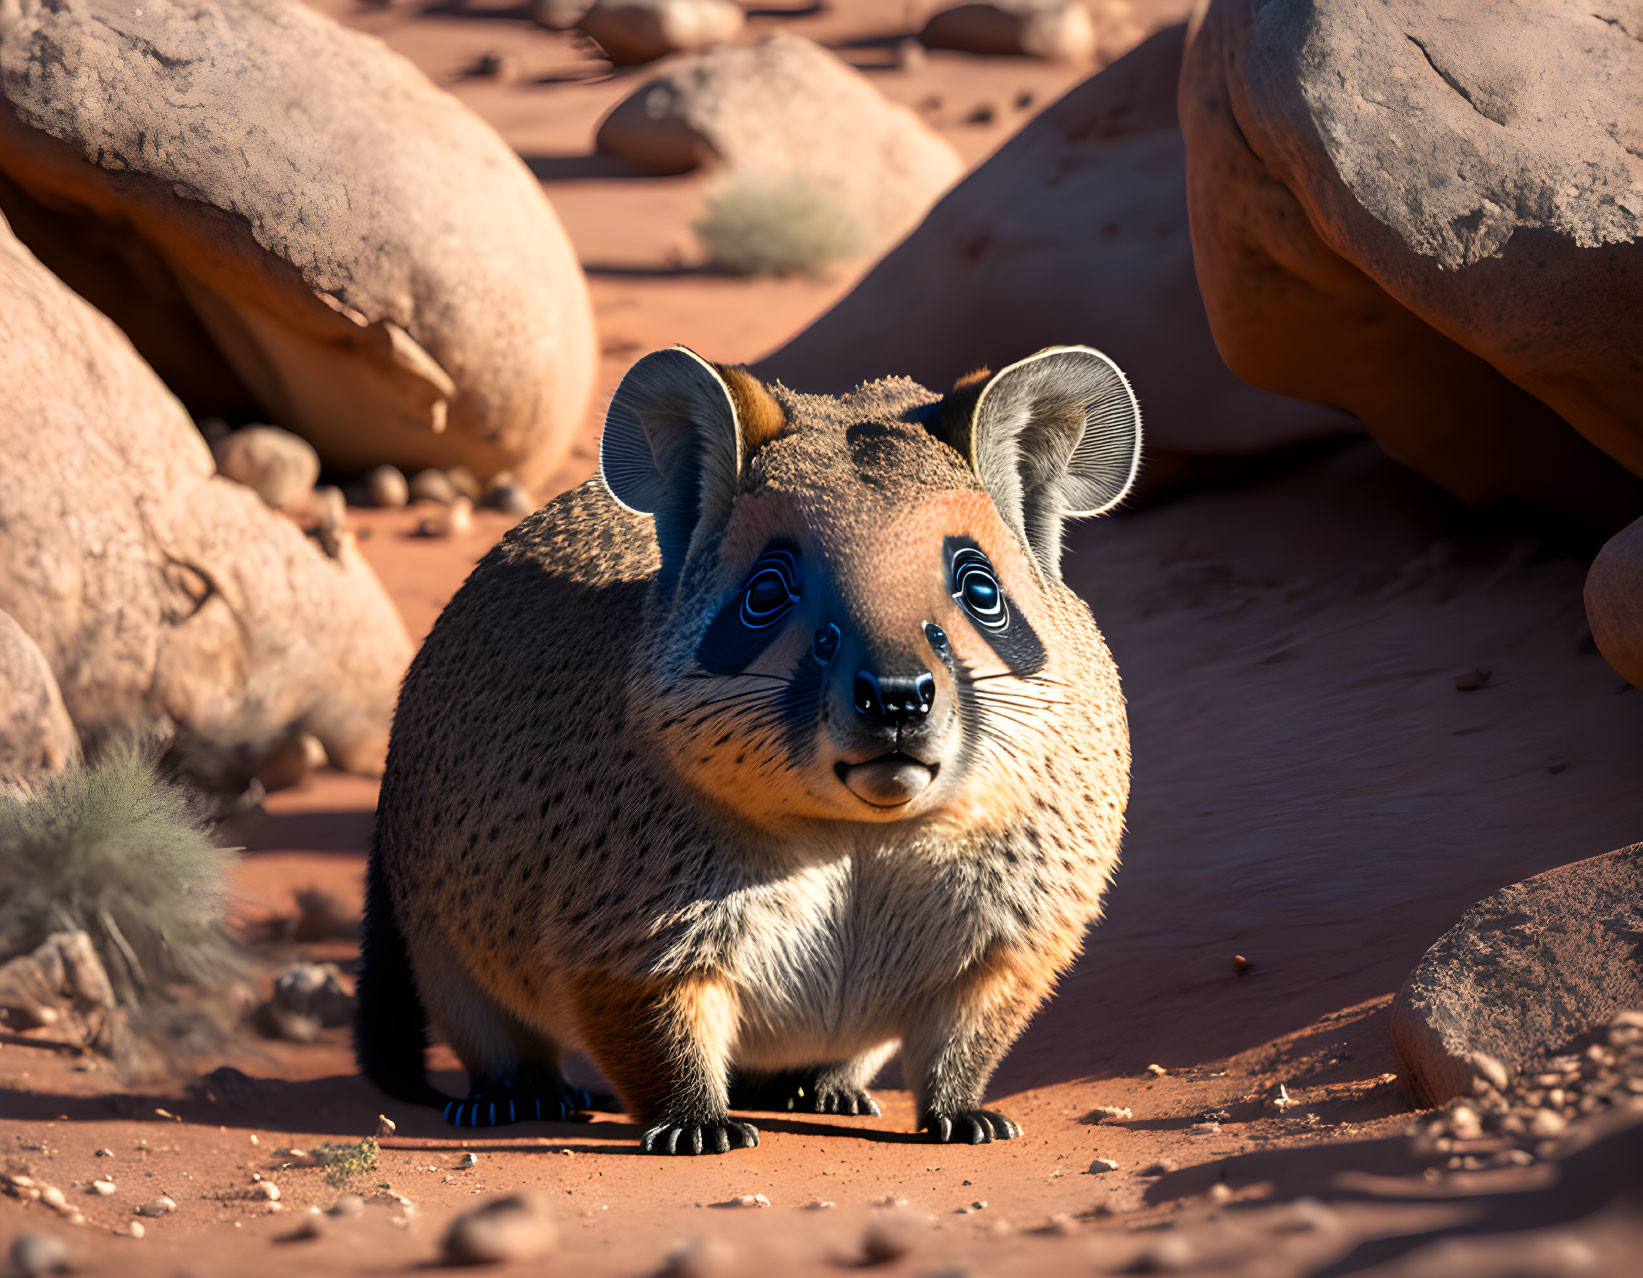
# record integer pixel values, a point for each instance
(894, 699)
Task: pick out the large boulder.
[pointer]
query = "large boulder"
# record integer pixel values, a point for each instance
(1522, 973)
(161, 594)
(787, 109)
(1614, 602)
(1396, 209)
(1075, 231)
(631, 31)
(291, 222)
(36, 736)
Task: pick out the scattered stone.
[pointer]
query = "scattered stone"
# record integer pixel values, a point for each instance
(786, 112)
(633, 31)
(468, 1159)
(704, 1257)
(54, 1198)
(1614, 602)
(454, 521)
(981, 114)
(464, 481)
(62, 983)
(386, 1127)
(278, 466)
(1464, 1123)
(104, 1153)
(1241, 966)
(1471, 680)
(292, 761)
(156, 1207)
(1220, 1192)
(1116, 1113)
(103, 1188)
(1567, 935)
(1055, 30)
(308, 997)
(432, 485)
(817, 1204)
(346, 1205)
(889, 1238)
(1281, 1100)
(1024, 99)
(1103, 1165)
(386, 487)
(1209, 1128)
(131, 1229)
(1157, 1071)
(511, 1229)
(36, 1254)
(508, 497)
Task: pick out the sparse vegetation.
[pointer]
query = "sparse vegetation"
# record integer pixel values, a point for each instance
(347, 1163)
(758, 226)
(114, 849)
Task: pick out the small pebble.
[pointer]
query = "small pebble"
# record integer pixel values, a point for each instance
(1546, 1123)
(431, 485)
(346, 1205)
(745, 1200)
(515, 1228)
(102, 1188)
(1491, 1070)
(509, 498)
(264, 1190)
(1157, 1071)
(37, 1254)
(468, 1159)
(1241, 966)
(105, 1153)
(493, 65)
(386, 486)
(53, 1197)
(132, 1229)
(982, 113)
(1220, 1192)
(1117, 1113)
(1464, 1123)
(157, 1207)
(817, 1204)
(464, 481)
(1102, 1165)
(1205, 1129)
(385, 1127)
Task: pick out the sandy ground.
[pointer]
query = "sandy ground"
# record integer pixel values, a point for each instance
(1311, 791)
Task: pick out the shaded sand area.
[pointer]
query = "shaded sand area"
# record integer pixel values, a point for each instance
(1312, 792)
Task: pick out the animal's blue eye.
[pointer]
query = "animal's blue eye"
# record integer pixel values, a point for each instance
(825, 642)
(771, 590)
(976, 588)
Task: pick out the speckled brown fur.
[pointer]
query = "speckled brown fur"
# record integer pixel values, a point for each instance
(581, 843)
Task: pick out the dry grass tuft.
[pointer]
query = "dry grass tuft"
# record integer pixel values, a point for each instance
(757, 226)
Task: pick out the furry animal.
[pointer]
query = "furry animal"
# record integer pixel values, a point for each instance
(777, 747)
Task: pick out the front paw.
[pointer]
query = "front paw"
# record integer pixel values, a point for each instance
(708, 1136)
(969, 1126)
(833, 1100)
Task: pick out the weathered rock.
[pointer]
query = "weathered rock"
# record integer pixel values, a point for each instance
(36, 736)
(1058, 30)
(1522, 973)
(787, 109)
(308, 997)
(1395, 210)
(372, 267)
(1075, 231)
(278, 466)
(631, 31)
(61, 978)
(385, 486)
(1614, 602)
(160, 593)
(432, 485)
(514, 1228)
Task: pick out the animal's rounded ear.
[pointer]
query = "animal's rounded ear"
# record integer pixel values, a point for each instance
(1052, 437)
(671, 413)
(672, 448)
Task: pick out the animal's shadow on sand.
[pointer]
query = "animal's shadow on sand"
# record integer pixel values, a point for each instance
(346, 1107)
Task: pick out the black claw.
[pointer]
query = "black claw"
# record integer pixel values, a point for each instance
(972, 1126)
(494, 1105)
(714, 1136)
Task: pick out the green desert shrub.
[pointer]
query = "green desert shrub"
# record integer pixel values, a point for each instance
(759, 226)
(117, 850)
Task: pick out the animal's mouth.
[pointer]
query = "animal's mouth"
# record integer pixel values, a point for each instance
(888, 781)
